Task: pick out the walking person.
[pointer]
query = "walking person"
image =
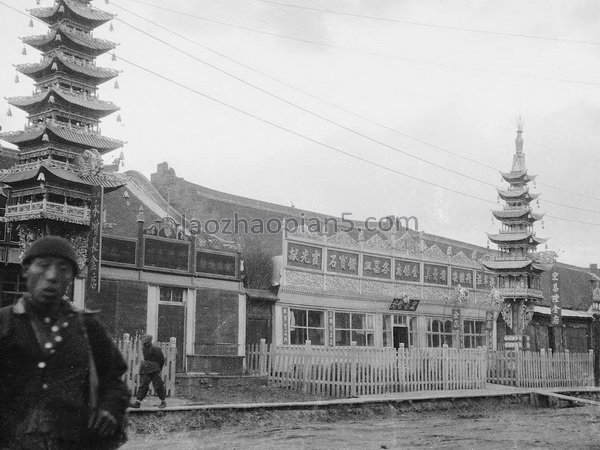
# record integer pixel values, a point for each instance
(60, 382)
(150, 370)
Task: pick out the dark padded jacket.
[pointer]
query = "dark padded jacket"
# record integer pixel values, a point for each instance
(47, 388)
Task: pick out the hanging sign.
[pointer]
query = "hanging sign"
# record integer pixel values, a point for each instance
(555, 308)
(95, 240)
(404, 304)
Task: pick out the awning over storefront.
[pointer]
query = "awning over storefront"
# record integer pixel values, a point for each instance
(261, 294)
(545, 310)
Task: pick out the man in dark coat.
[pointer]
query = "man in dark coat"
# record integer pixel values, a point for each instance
(60, 382)
(150, 370)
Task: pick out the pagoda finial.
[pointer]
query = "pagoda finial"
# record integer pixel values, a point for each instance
(519, 139)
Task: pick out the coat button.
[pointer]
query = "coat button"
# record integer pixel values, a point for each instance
(44, 386)
(58, 338)
(41, 364)
(54, 328)
(46, 319)
(48, 345)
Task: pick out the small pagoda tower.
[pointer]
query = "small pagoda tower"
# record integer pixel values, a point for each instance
(516, 267)
(59, 164)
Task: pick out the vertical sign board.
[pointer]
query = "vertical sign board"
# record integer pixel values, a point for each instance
(489, 328)
(457, 328)
(285, 322)
(555, 309)
(95, 241)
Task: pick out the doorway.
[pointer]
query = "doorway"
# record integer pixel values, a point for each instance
(171, 321)
(400, 337)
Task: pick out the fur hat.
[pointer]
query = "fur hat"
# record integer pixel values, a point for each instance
(52, 246)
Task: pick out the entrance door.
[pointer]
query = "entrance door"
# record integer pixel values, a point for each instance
(171, 323)
(400, 337)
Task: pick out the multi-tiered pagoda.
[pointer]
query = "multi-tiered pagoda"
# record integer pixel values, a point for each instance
(60, 149)
(59, 172)
(516, 267)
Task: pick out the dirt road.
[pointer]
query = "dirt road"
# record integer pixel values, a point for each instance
(518, 428)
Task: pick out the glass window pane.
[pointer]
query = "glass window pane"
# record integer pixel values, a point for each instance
(360, 338)
(297, 336)
(448, 326)
(370, 322)
(316, 319)
(316, 336)
(358, 321)
(370, 339)
(342, 320)
(299, 317)
(387, 323)
(388, 341)
(342, 337)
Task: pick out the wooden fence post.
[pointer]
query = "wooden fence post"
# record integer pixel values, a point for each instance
(445, 366)
(518, 367)
(353, 368)
(590, 368)
(262, 357)
(306, 363)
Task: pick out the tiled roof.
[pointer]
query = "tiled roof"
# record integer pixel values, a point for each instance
(516, 175)
(84, 11)
(100, 73)
(509, 237)
(90, 140)
(109, 181)
(79, 100)
(84, 40)
(503, 265)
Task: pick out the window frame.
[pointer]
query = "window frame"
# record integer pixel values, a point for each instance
(307, 328)
(369, 333)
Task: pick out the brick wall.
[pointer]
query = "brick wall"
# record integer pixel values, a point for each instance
(216, 322)
(122, 306)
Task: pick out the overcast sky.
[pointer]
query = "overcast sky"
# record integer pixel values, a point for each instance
(255, 98)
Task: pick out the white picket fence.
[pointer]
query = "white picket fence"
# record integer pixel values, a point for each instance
(352, 371)
(131, 349)
(541, 369)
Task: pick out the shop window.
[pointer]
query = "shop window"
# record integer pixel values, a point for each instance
(439, 333)
(474, 334)
(171, 294)
(354, 327)
(307, 325)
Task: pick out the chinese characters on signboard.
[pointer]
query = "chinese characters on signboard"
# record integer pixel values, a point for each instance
(435, 274)
(555, 309)
(484, 280)
(464, 277)
(299, 255)
(489, 328)
(95, 240)
(342, 262)
(330, 327)
(374, 266)
(407, 270)
(404, 304)
(284, 317)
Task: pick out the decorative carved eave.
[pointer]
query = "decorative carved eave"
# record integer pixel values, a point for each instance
(35, 134)
(461, 259)
(93, 107)
(63, 63)
(78, 12)
(407, 244)
(342, 239)
(434, 252)
(83, 42)
(378, 244)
